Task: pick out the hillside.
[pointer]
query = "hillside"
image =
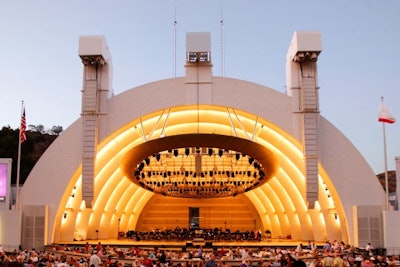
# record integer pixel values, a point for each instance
(31, 150)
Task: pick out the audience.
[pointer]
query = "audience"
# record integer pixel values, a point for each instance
(131, 256)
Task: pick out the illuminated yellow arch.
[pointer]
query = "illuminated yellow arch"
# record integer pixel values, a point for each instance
(119, 202)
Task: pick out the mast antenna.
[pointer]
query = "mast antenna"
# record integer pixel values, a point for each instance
(175, 22)
(221, 21)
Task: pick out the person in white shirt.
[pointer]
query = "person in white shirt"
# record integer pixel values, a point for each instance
(94, 260)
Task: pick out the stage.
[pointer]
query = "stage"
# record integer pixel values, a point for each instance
(127, 243)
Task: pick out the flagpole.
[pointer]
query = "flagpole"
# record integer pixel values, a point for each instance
(385, 159)
(385, 162)
(17, 205)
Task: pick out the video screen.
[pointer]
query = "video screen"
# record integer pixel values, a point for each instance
(3, 181)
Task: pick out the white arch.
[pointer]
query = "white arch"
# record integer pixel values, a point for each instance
(280, 202)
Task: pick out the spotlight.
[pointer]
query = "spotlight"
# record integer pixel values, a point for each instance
(237, 156)
(176, 152)
(220, 152)
(187, 151)
(314, 56)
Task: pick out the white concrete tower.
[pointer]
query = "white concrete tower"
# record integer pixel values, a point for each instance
(198, 68)
(301, 71)
(96, 60)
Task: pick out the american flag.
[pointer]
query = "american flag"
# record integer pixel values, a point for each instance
(22, 133)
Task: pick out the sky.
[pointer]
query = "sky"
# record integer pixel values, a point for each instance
(359, 63)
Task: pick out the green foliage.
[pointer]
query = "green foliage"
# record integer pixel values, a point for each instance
(31, 150)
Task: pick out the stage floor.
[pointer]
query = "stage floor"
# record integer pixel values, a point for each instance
(181, 244)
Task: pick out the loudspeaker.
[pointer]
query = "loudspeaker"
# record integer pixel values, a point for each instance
(189, 244)
(209, 245)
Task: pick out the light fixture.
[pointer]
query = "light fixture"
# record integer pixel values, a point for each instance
(197, 172)
(191, 57)
(198, 57)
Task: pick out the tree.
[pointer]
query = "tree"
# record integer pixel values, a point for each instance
(56, 130)
(36, 128)
(31, 150)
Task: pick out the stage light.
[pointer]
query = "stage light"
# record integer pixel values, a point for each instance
(198, 174)
(251, 160)
(237, 156)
